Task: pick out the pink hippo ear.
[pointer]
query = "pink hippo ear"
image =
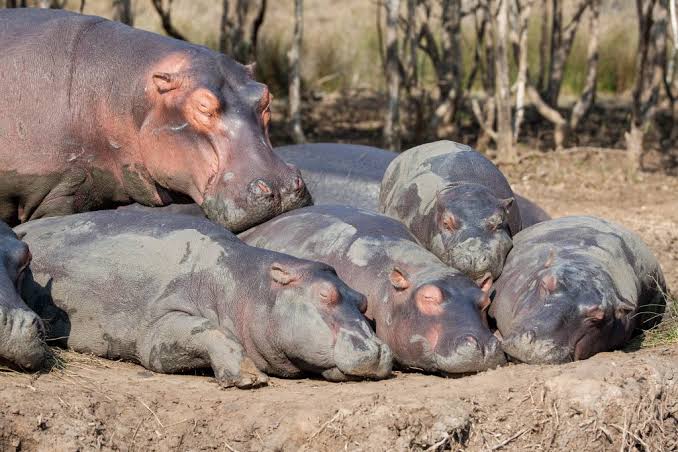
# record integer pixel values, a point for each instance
(202, 109)
(165, 81)
(547, 285)
(398, 279)
(251, 69)
(449, 221)
(594, 314)
(282, 275)
(429, 300)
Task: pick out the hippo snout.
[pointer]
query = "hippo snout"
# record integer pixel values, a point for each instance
(361, 356)
(471, 354)
(22, 335)
(526, 347)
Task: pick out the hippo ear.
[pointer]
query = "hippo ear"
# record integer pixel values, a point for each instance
(398, 279)
(594, 314)
(203, 109)
(282, 275)
(251, 69)
(507, 203)
(547, 285)
(165, 81)
(448, 221)
(429, 299)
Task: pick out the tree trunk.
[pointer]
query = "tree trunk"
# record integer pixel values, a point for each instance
(650, 62)
(449, 74)
(122, 11)
(241, 21)
(392, 120)
(294, 59)
(166, 19)
(505, 149)
(543, 46)
(588, 95)
(523, 23)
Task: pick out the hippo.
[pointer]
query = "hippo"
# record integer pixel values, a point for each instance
(95, 114)
(530, 212)
(175, 293)
(456, 203)
(22, 332)
(431, 316)
(573, 287)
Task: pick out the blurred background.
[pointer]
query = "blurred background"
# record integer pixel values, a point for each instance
(504, 76)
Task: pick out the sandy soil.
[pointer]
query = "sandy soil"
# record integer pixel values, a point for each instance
(614, 401)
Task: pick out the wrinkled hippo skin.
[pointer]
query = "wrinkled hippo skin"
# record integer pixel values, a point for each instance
(573, 287)
(21, 331)
(432, 316)
(456, 203)
(95, 114)
(175, 293)
(337, 173)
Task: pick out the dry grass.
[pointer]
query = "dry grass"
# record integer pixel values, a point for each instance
(666, 333)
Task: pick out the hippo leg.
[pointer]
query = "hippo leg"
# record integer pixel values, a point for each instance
(179, 341)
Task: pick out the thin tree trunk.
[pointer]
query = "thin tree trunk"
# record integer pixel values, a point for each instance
(521, 82)
(505, 149)
(543, 46)
(588, 95)
(122, 11)
(486, 117)
(241, 21)
(294, 59)
(166, 19)
(650, 62)
(392, 120)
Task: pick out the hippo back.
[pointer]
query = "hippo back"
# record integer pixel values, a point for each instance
(340, 173)
(423, 171)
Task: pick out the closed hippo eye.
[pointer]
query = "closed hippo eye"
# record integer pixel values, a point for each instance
(329, 294)
(449, 222)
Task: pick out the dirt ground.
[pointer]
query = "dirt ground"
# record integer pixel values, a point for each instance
(613, 401)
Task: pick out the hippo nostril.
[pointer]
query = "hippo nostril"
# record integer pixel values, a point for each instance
(530, 336)
(471, 341)
(260, 188)
(362, 304)
(298, 183)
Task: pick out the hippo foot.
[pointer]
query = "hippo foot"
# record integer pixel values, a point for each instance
(249, 378)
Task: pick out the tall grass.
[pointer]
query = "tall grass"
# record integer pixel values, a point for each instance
(341, 48)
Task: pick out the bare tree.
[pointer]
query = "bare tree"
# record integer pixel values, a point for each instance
(392, 120)
(122, 11)
(294, 59)
(165, 14)
(241, 21)
(485, 46)
(543, 45)
(650, 62)
(521, 15)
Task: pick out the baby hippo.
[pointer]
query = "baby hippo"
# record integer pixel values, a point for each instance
(456, 203)
(431, 315)
(573, 287)
(175, 293)
(21, 331)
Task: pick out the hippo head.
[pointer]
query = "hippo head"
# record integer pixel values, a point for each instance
(562, 313)
(439, 324)
(317, 326)
(206, 137)
(470, 230)
(21, 331)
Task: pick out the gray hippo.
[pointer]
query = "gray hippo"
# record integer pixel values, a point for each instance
(351, 174)
(431, 315)
(95, 114)
(456, 203)
(175, 293)
(21, 330)
(573, 287)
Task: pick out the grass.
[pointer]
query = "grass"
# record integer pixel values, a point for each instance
(666, 333)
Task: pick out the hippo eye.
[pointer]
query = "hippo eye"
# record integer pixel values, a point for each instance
(329, 294)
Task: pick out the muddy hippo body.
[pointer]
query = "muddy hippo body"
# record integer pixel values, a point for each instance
(428, 313)
(95, 114)
(174, 292)
(456, 203)
(21, 330)
(530, 212)
(340, 173)
(573, 287)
